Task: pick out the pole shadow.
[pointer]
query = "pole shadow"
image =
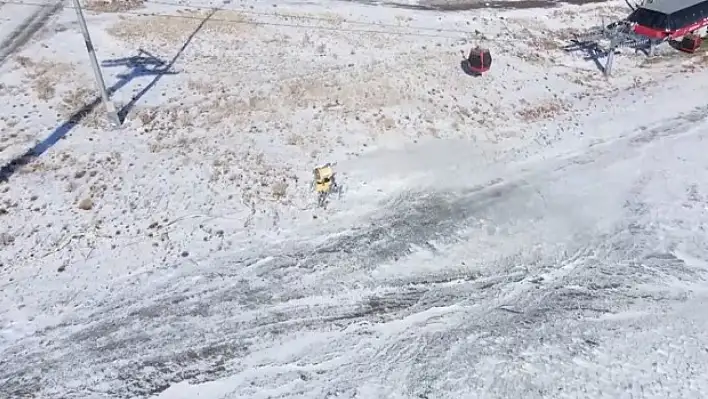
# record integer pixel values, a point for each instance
(592, 51)
(144, 64)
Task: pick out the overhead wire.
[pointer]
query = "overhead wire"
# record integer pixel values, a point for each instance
(249, 11)
(277, 24)
(461, 34)
(215, 18)
(470, 35)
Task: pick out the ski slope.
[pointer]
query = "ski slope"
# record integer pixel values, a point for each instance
(559, 257)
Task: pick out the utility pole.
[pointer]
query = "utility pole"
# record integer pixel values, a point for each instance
(113, 118)
(610, 57)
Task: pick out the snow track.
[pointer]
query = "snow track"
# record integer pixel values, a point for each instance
(23, 32)
(577, 272)
(488, 291)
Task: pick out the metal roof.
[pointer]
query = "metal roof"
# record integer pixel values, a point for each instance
(669, 6)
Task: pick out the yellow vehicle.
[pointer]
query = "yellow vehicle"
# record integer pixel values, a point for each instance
(325, 183)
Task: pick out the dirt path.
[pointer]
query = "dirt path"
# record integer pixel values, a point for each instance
(25, 30)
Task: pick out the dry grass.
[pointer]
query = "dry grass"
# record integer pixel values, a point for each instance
(697, 62)
(535, 46)
(545, 110)
(113, 5)
(260, 179)
(592, 79)
(548, 42)
(295, 140)
(325, 17)
(370, 89)
(201, 86)
(702, 58)
(175, 30)
(211, 111)
(597, 16)
(44, 75)
(74, 100)
(166, 118)
(564, 34)
(673, 60)
(661, 60)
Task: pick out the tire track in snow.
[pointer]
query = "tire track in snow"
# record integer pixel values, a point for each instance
(25, 30)
(198, 331)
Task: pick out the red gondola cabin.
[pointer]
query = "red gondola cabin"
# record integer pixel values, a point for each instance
(479, 60)
(661, 19)
(690, 43)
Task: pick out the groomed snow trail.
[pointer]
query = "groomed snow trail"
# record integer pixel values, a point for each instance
(577, 278)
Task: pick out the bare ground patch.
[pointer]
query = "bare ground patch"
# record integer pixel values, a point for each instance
(113, 5)
(353, 90)
(543, 110)
(227, 154)
(44, 75)
(330, 18)
(176, 28)
(74, 100)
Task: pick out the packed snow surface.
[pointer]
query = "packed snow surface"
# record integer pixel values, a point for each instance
(537, 232)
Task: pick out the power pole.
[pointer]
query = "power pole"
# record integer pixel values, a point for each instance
(113, 118)
(611, 56)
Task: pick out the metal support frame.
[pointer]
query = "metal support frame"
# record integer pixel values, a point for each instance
(652, 47)
(619, 35)
(113, 118)
(610, 57)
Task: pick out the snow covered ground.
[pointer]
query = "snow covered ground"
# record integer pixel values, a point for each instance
(536, 232)
(20, 22)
